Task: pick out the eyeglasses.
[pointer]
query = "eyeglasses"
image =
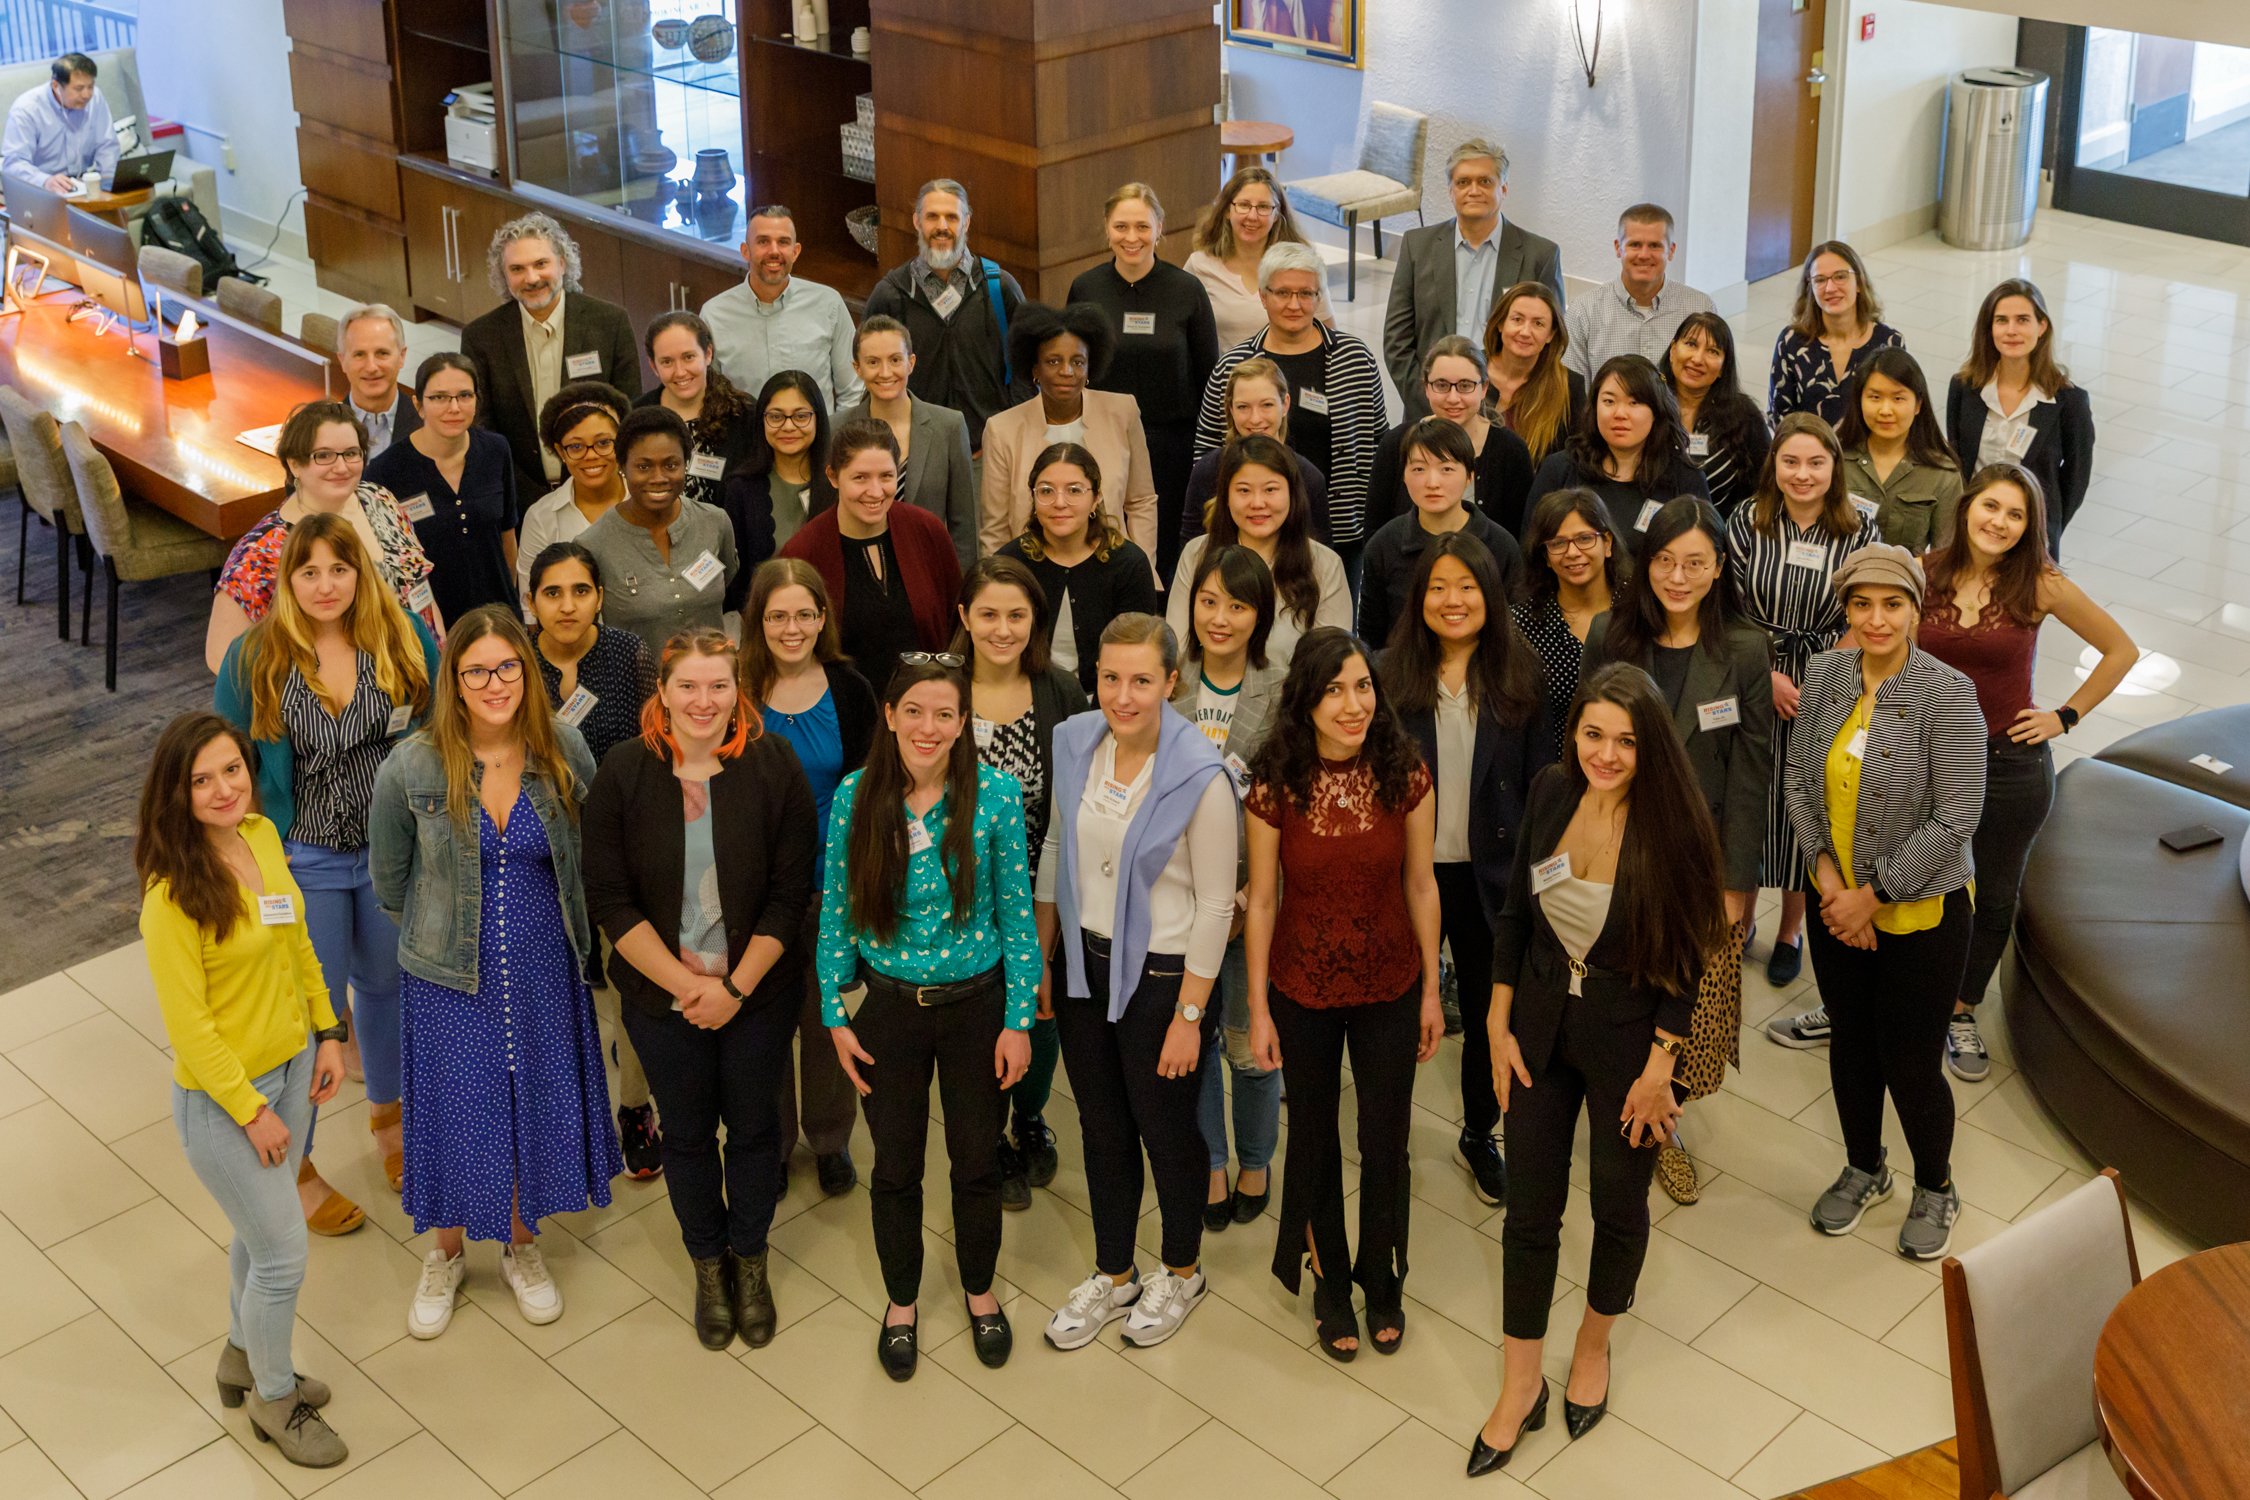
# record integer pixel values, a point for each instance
(803, 619)
(602, 447)
(1834, 278)
(1694, 567)
(477, 679)
(803, 420)
(449, 398)
(1047, 494)
(931, 658)
(1454, 387)
(1563, 546)
(1252, 210)
(321, 458)
(1278, 295)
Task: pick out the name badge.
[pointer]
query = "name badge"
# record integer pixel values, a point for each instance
(419, 597)
(401, 716)
(1549, 872)
(1865, 507)
(2020, 441)
(1314, 401)
(984, 730)
(574, 711)
(582, 366)
(947, 302)
(1239, 771)
(706, 465)
(1719, 713)
(1808, 555)
(703, 570)
(1140, 322)
(917, 837)
(1112, 796)
(1649, 508)
(277, 910)
(418, 508)
(1699, 446)
(1856, 748)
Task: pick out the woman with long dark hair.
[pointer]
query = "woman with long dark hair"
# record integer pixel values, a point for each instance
(1341, 820)
(1836, 324)
(1612, 912)
(1467, 686)
(927, 902)
(1678, 621)
(724, 436)
(1262, 505)
(1533, 394)
(1727, 436)
(1574, 566)
(1088, 570)
(2011, 403)
(786, 473)
(1896, 461)
(240, 989)
(579, 426)
(1629, 449)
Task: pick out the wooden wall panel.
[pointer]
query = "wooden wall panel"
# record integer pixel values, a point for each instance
(348, 169)
(1119, 88)
(925, 79)
(1045, 21)
(354, 255)
(1071, 193)
(353, 27)
(341, 91)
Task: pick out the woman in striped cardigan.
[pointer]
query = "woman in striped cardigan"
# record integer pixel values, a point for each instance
(1884, 784)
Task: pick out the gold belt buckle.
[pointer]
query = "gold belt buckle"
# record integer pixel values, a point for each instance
(921, 990)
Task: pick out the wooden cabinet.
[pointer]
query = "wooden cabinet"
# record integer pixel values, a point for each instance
(449, 229)
(657, 281)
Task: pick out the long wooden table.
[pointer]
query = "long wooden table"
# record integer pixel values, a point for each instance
(172, 442)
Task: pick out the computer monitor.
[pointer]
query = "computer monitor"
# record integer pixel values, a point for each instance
(32, 207)
(108, 268)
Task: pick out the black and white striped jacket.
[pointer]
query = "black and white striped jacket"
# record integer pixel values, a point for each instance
(1356, 423)
(1921, 781)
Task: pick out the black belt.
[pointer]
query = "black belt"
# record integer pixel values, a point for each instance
(933, 994)
(1098, 946)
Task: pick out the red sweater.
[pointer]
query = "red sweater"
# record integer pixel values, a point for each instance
(925, 560)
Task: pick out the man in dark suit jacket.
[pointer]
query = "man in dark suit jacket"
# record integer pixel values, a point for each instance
(1477, 247)
(547, 334)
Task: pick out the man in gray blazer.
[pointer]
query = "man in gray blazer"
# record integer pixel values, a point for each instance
(1450, 274)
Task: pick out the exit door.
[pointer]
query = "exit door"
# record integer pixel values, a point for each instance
(1785, 140)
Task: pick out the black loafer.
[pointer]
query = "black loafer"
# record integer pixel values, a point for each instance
(898, 1349)
(1217, 1216)
(837, 1174)
(1787, 962)
(993, 1338)
(1248, 1206)
(1484, 1458)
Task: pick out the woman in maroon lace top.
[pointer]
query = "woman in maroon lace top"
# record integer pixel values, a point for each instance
(1342, 946)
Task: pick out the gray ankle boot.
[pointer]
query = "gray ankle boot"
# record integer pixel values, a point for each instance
(291, 1425)
(234, 1379)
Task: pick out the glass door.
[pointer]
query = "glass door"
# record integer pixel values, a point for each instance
(2156, 131)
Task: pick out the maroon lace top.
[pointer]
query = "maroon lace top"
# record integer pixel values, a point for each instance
(1993, 652)
(1342, 936)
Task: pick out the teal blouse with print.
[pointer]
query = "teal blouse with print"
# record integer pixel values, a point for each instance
(928, 948)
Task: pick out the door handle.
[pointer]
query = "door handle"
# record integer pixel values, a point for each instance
(1813, 81)
(446, 222)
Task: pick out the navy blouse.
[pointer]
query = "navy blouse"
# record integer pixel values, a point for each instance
(461, 528)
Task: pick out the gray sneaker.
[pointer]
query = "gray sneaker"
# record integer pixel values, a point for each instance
(1840, 1208)
(1808, 1030)
(1964, 1048)
(1928, 1231)
(1164, 1304)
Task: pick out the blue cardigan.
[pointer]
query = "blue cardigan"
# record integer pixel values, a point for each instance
(277, 797)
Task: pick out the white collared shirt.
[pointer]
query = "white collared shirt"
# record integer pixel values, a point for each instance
(543, 351)
(2001, 443)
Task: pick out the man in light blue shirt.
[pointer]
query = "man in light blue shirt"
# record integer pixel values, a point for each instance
(61, 130)
(1640, 311)
(774, 322)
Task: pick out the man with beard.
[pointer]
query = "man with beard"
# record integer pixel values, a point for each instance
(547, 334)
(774, 322)
(957, 307)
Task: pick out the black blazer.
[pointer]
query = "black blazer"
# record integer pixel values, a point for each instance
(1506, 758)
(763, 840)
(1100, 591)
(1503, 477)
(737, 447)
(1621, 1016)
(494, 344)
(1055, 696)
(2061, 455)
(747, 501)
(1732, 764)
(857, 714)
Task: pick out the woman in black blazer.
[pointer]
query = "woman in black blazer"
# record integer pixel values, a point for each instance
(1085, 566)
(706, 809)
(1678, 621)
(1467, 686)
(1613, 905)
(2011, 403)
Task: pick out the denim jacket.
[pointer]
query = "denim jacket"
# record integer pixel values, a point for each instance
(429, 878)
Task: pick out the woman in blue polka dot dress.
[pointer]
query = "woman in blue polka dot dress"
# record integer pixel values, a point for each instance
(475, 851)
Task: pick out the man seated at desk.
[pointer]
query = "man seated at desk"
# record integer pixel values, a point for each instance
(60, 130)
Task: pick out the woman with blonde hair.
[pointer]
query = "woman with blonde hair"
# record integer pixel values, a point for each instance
(1256, 399)
(1249, 217)
(1533, 396)
(326, 684)
(475, 852)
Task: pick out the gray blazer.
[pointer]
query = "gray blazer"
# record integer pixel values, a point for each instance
(945, 487)
(1255, 708)
(1421, 309)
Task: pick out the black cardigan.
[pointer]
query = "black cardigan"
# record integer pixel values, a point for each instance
(1526, 953)
(1100, 590)
(762, 839)
(1503, 478)
(857, 714)
(2061, 455)
(1393, 554)
(1505, 760)
(1624, 501)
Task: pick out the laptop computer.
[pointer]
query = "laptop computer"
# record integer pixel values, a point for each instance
(136, 172)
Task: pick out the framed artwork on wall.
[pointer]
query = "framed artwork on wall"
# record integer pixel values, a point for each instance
(1329, 31)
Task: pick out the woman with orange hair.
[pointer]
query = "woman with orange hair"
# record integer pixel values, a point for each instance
(700, 842)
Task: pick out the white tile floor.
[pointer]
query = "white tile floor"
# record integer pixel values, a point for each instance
(1760, 1357)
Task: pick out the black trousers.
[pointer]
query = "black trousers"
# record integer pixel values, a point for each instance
(1124, 1106)
(1461, 923)
(1541, 1121)
(1888, 1008)
(702, 1079)
(1383, 1039)
(815, 1094)
(909, 1042)
(2019, 789)
(1171, 457)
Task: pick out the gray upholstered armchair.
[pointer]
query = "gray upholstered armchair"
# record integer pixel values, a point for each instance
(1387, 181)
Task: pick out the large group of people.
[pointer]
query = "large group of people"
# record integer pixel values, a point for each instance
(990, 687)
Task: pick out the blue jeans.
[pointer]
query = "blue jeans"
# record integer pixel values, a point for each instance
(1257, 1093)
(267, 1260)
(358, 946)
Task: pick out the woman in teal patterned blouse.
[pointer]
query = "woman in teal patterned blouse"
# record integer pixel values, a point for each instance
(932, 912)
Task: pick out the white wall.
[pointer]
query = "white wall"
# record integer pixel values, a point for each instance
(1724, 110)
(222, 68)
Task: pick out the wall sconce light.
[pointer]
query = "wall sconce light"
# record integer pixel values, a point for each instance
(1587, 56)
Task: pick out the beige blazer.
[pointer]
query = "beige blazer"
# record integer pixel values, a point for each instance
(1017, 436)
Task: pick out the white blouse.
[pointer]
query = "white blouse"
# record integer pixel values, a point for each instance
(1456, 756)
(555, 517)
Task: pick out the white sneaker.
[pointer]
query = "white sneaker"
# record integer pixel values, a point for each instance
(537, 1296)
(1164, 1304)
(432, 1308)
(1094, 1304)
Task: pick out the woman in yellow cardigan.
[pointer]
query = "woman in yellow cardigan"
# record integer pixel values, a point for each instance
(241, 992)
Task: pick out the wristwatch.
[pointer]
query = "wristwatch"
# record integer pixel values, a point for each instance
(726, 982)
(1671, 1044)
(337, 1033)
(1188, 1013)
(2069, 717)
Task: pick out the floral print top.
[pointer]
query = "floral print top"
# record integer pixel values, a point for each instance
(1804, 377)
(928, 948)
(253, 568)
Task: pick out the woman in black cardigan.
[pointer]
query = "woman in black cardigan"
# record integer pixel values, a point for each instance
(1629, 448)
(706, 801)
(2011, 369)
(1612, 905)
(1454, 385)
(1089, 572)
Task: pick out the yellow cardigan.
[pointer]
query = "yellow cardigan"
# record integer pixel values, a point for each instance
(239, 1009)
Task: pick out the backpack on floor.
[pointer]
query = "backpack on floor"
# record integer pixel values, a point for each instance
(178, 225)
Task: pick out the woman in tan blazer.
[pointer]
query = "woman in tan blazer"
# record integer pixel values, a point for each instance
(1064, 351)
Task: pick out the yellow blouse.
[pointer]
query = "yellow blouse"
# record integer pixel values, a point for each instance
(1897, 918)
(238, 1009)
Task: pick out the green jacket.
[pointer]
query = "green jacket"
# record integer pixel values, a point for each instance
(1914, 507)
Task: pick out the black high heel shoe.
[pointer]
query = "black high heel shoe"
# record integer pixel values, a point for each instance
(1485, 1459)
(1580, 1420)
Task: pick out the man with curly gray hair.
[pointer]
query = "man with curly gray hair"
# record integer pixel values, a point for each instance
(546, 334)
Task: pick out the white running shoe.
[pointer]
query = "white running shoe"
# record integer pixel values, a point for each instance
(1094, 1304)
(537, 1296)
(432, 1308)
(1164, 1304)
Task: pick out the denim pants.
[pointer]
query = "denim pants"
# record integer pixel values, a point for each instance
(266, 1263)
(1257, 1092)
(358, 946)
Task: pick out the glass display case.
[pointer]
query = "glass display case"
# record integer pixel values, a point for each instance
(631, 107)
